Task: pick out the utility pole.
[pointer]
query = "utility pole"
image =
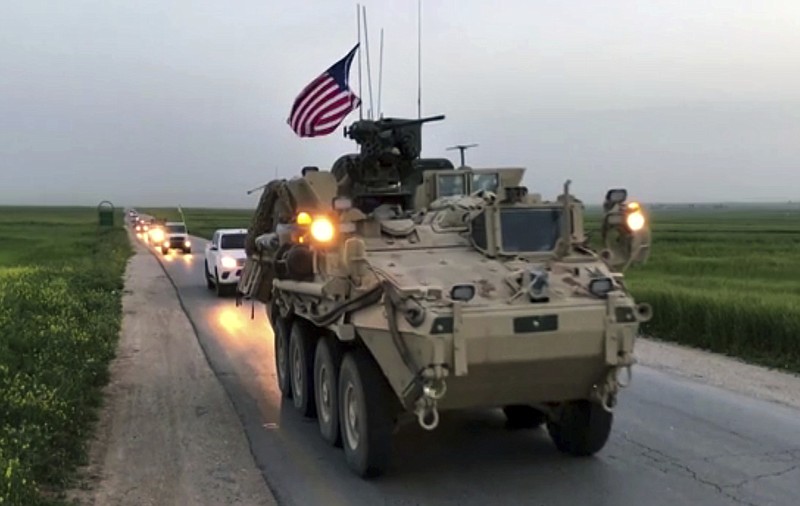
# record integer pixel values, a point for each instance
(462, 148)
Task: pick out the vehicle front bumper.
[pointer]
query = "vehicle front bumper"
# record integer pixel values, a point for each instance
(497, 356)
(231, 276)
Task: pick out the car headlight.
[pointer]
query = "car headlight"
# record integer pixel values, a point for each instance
(228, 262)
(187, 243)
(166, 244)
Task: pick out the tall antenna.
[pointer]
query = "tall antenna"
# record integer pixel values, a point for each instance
(462, 148)
(419, 59)
(361, 103)
(380, 76)
(369, 74)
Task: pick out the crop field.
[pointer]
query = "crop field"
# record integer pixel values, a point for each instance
(60, 311)
(722, 278)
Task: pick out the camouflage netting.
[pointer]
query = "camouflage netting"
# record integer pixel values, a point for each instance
(275, 206)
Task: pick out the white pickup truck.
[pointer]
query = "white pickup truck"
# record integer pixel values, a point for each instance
(176, 236)
(225, 257)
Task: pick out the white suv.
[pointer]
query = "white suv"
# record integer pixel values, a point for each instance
(176, 237)
(225, 256)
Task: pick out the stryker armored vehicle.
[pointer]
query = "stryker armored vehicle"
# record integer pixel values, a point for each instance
(399, 287)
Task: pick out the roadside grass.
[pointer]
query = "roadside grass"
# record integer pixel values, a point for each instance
(60, 312)
(725, 280)
(203, 222)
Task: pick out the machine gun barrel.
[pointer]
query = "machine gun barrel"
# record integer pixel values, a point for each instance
(408, 122)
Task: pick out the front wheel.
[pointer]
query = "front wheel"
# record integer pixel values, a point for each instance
(164, 251)
(364, 416)
(582, 429)
(209, 283)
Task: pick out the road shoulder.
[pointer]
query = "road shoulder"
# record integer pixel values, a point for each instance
(167, 433)
(720, 371)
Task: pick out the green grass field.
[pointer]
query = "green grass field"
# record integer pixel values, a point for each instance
(60, 311)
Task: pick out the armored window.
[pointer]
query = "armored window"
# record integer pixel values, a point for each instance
(232, 241)
(529, 229)
(488, 182)
(448, 185)
(478, 231)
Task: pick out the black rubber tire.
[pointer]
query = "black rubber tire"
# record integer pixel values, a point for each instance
(187, 251)
(369, 455)
(327, 360)
(522, 416)
(280, 331)
(582, 429)
(301, 367)
(209, 283)
(219, 286)
(164, 251)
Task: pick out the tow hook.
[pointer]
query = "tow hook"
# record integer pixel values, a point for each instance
(426, 410)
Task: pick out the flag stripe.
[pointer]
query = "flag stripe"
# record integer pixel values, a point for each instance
(324, 103)
(325, 86)
(319, 102)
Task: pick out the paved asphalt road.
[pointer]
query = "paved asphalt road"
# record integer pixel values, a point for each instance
(674, 442)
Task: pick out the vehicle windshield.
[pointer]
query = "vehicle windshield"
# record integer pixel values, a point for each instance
(176, 229)
(451, 184)
(530, 230)
(232, 241)
(488, 182)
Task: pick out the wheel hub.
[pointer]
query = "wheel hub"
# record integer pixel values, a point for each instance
(351, 416)
(325, 394)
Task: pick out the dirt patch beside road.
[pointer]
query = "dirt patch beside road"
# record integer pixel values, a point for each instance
(168, 433)
(720, 371)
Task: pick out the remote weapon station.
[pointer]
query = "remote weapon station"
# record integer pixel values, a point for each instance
(400, 288)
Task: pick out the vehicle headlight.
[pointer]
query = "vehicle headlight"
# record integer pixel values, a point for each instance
(187, 243)
(228, 262)
(322, 229)
(166, 244)
(303, 218)
(635, 220)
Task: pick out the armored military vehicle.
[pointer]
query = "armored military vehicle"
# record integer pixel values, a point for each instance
(400, 287)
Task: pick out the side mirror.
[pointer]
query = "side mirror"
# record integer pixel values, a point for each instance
(625, 233)
(213, 248)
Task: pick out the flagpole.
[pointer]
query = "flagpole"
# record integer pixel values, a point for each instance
(380, 76)
(419, 59)
(369, 73)
(360, 96)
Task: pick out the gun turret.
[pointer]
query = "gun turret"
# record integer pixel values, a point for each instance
(384, 166)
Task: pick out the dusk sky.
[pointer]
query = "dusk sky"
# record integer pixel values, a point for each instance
(162, 102)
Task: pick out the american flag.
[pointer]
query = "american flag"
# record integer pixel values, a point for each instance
(324, 103)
